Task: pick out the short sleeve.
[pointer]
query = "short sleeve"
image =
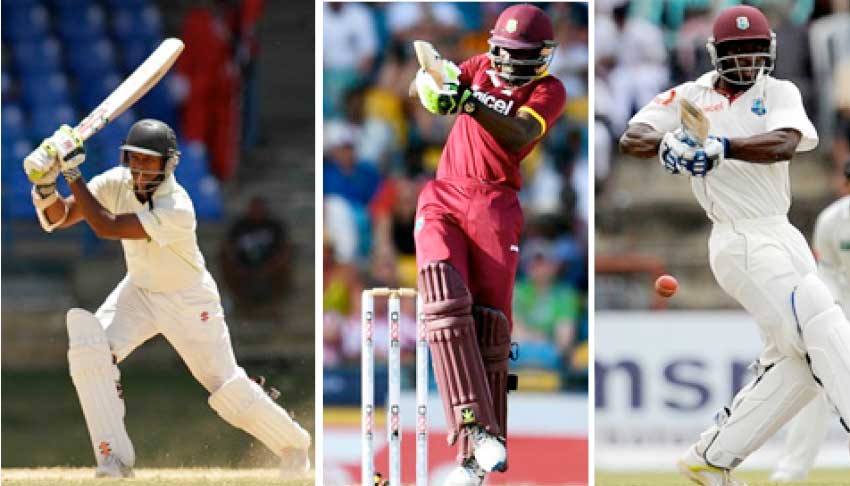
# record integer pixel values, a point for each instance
(662, 113)
(167, 225)
(785, 110)
(546, 103)
(104, 188)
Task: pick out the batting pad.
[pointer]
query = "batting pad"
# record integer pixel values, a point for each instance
(96, 378)
(758, 411)
(826, 334)
(455, 354)
(243, 404)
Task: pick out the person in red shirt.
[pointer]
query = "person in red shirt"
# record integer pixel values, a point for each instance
(469, 221)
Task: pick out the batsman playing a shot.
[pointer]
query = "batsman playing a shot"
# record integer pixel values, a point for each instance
(468, 225)
(740, 177)
(808, 430)
(167, 290)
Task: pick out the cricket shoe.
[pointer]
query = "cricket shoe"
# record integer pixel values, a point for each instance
(488, 449)
(785, 476)
(694, 467)
(294, 463)
(112, 467)
(467, 474)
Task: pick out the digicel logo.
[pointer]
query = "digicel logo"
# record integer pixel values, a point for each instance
(490, 101)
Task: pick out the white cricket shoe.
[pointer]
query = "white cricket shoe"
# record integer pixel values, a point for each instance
(785, 476)
(112, 467)
(694, 467)
(488, 449)
(294, 463)
(468, 474)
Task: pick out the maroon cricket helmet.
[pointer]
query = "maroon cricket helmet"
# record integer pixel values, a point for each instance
(744, 24)
(522, 44)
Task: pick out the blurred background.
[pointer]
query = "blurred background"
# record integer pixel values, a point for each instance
(247, 164)
(380, 147)
(661, 375)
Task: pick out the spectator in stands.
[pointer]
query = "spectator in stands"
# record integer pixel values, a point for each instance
(377, 140)
(257, 256)
(546, 311)
(841, 144)
(350, 49)
(355, 180)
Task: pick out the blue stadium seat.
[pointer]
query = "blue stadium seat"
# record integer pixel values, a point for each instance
(14, 124)
(132, 4)
(137, 23)
(91, 91)
(70, 5)
(90, 23)
(38, 56)
(25, 23)
(110, 138)
(158, 103)
(45, 89)
(46, 119)
(134, 52)
(206, 197)
(8, 84)
(13, 156)
(16, 186)
(92, 59)
(194, 162)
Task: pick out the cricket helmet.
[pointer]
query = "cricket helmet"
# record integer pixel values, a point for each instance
(738, 24)
(522, 44)
(152, 137)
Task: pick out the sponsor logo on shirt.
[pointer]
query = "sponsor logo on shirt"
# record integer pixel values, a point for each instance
(714, 107)
(205, 316)
(515, 248)
(665, 100)
(758, 107)
(490, 101)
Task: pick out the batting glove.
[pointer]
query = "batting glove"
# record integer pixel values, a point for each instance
(442, 100)
(671, 152)
(706, 158)
(69, 147)
(41, 164)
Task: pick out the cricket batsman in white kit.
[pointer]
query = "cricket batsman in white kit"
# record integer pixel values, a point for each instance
(809, 428)
(740, 177)
(167, 290)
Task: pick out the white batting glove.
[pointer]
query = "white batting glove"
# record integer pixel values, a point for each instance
(445, 99)
(706, 158)
(672, 151)
(69, 147)
(41, 165)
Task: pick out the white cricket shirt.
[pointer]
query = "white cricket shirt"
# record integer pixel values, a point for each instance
(170, 259)
(737, 189)
(832, 244)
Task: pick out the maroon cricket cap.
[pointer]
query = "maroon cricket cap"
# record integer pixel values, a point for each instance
(741, 22)
(523, 26)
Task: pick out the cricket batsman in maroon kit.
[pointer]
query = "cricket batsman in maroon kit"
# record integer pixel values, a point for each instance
(469, 221)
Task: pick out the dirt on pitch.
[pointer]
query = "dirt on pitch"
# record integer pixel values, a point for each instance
(825, 477)
(153, 477)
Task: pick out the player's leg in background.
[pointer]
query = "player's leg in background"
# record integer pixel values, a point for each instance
(441, 254)
(193, 322)
(97, 342)
(806, 435)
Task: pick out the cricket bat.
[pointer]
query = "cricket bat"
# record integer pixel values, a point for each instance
(134, 87)
(429, 59)
(694, 121)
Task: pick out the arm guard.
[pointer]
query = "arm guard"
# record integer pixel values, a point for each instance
(43, 203)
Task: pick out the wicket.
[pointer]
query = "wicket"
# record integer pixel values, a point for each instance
(367, 368)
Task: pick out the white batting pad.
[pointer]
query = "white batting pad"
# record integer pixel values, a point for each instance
(96, 379)
(758, 411)
(826, 334)
(243, 404)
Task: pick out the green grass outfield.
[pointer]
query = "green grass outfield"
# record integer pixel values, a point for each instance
(152, 477)
(828, 477)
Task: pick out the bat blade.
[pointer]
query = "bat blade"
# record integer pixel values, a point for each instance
(694, 121)
(429, 60)
(134, 87)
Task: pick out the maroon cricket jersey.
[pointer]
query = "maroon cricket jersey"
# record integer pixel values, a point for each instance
(471, 152)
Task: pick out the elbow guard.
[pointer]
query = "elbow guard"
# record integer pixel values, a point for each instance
(43, 203)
